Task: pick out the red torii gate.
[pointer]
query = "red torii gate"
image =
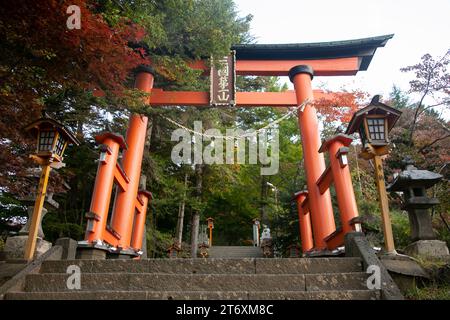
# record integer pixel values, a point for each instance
(301, 62)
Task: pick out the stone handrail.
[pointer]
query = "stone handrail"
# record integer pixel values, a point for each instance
(356, 245)
(17, 281)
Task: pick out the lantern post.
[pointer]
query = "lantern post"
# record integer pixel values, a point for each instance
(52, 140)
(373, 124)
(210, 227)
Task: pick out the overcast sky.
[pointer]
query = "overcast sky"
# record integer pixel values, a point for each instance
(419, 26)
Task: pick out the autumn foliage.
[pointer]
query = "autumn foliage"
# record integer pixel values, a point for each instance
(40, 58)
(340, 106)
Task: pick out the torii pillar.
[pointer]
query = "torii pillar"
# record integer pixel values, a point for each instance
(320, 204)
(124, 212)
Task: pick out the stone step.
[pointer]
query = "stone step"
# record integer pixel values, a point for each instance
(196, 295)
(228, 248)
(210, 266)
(308, 265)
(225, 254)
(235, 248)
(236, 256)
(246, 251)
(199, 282)
(238, 252)
(9, 270)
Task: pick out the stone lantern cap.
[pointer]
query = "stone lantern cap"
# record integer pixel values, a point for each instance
(412, 177)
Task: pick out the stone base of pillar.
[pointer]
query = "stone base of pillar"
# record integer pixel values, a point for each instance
(91, 254)
(324, 253)
(119, 256)
(15, 247)
(69, 248)
(432, 248)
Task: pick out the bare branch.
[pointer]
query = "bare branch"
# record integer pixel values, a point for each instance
(433, 142)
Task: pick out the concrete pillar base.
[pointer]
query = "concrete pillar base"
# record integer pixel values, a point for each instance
(91, 254)
(15, 247)
(69, 248)
(432, 248)
(119, 256)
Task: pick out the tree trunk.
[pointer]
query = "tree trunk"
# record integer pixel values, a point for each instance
(148, 138)
(357, 171)
(194, 233)
(196, 216)
(181, 213)
(263, 211)
(80, 133)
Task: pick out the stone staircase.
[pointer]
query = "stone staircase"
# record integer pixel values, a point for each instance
(212, 278)
(9, 268)
(234, 252)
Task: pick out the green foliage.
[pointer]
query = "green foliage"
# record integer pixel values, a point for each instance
(400, 228)
(10, 207)
(440, 228)
(437, 288)
(398, 98)
(182, 30)
(433, 292)
(54, 227)
(231, 194)
(157, 243)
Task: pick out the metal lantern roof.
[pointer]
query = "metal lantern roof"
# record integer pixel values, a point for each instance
(49, 123)
(375, 107)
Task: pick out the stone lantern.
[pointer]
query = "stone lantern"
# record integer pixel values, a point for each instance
(266, 243)
(413, 183)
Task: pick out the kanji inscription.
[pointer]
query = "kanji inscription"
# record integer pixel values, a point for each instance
(223, 77)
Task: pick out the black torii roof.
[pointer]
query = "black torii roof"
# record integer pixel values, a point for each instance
(363, 48)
